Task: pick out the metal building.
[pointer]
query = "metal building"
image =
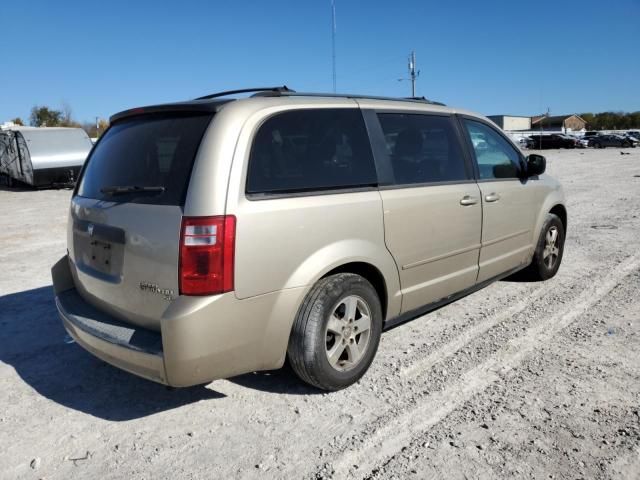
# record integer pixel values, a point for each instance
(511, 122)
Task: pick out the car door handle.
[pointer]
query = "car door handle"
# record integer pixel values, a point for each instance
(492, 197)
(468, 200)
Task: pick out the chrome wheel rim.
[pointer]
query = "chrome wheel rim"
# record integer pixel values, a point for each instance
(348, 333)
(551, 249)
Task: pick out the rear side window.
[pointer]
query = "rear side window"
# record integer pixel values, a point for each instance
(311, 150)
(423, 148)
(154, 152)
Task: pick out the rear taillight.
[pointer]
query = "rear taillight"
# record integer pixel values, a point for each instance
(207, 247)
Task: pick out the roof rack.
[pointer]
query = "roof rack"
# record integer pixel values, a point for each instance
(293, 93)
(274, 90)
(424, 99)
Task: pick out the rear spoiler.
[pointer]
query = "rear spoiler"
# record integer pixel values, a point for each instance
(199, 105)
(194, 106)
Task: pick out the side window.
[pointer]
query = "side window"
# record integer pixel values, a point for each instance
(423, 148)
(496, 157)
(307, 150)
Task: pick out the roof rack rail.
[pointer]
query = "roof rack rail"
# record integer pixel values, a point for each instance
(274, 90)
(425, 99)
(292, 93)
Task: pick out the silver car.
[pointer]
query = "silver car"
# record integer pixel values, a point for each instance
(219, 236)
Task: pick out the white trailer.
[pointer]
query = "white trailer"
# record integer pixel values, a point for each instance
(43, 156)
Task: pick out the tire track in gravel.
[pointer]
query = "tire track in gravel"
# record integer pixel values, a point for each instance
(536, 366)
(397, 431)
(471, 333)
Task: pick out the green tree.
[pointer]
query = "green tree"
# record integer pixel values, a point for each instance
(612, 120)
(42, 116)
(17, 121)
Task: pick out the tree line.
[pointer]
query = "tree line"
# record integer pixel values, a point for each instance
(612, 120)
(44, 116)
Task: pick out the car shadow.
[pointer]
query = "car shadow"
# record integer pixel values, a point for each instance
(36, 345)
(279, 381)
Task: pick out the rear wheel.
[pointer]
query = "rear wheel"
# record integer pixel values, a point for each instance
(549, 250)
(336, 332)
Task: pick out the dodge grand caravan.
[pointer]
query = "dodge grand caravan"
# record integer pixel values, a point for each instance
(221, 236)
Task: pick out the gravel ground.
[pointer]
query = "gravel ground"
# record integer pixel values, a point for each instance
(520, 379)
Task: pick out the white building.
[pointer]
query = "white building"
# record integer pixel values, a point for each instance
(511, 122)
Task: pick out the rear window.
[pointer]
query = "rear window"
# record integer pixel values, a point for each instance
(155, 152)
(311, 150)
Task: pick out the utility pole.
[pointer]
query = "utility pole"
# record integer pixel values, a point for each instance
(412, 72)
(333, 42)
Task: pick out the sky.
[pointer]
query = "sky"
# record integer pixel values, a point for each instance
(493, 57)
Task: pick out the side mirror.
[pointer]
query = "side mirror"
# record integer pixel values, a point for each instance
(536, 165)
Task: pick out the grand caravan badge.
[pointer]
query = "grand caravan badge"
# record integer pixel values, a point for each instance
(166, 293)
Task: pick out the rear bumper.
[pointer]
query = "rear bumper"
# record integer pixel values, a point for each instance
(135, 350)
(201, 338)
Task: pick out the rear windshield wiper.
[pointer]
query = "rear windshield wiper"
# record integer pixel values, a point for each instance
(123, 189)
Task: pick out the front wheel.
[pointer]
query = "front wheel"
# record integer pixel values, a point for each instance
(549, 249)
(336, 332)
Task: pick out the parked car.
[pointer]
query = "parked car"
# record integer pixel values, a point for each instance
(582, 142)
(215, 237)
(632, 136)
(602, 141)
(591, 133)
(524, 142)
(554, 140)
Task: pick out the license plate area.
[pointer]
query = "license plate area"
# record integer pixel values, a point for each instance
(100, 256)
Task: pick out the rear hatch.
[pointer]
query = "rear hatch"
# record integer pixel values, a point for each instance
(124, 231)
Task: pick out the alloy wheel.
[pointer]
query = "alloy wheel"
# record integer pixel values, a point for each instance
(348, 333)
(551, 250)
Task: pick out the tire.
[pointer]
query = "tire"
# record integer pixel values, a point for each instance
(542, 267)
(626, 145)
(313, 339)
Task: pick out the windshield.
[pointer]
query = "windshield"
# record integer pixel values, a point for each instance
(146, 159)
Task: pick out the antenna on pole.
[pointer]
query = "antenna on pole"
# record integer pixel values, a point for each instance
(412, 72)
(333, 42)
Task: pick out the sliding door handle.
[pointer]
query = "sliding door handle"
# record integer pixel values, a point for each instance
(492, 197)
(468, 200)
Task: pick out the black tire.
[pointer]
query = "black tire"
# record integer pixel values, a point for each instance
(539, 268)
(626, 145)
(307, 350)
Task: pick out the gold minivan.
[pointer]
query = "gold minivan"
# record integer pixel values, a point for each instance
(219, 236)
